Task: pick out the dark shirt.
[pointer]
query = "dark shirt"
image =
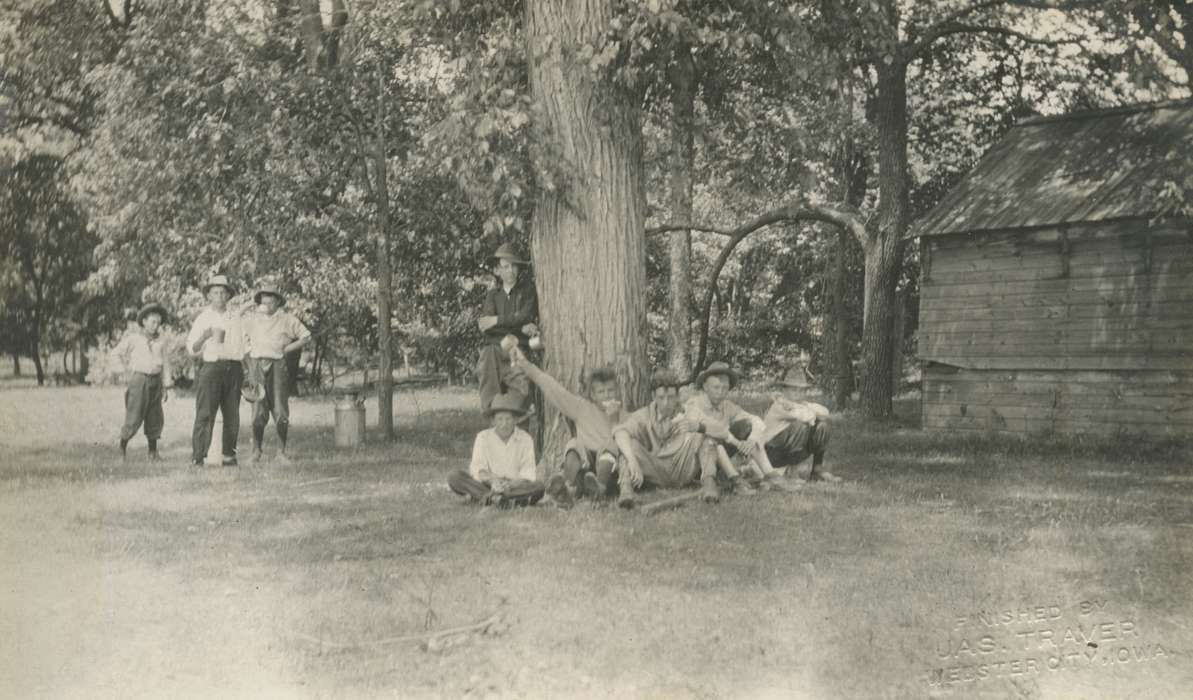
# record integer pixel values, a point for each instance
(512, 310)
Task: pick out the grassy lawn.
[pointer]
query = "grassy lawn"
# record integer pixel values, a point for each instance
(943, 568)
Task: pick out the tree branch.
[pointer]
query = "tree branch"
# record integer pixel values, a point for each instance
(941, 31)
(842, 215)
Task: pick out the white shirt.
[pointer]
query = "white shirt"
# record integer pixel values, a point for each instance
(140, 353)
(269, 334)
(234, 344)
(505, 460)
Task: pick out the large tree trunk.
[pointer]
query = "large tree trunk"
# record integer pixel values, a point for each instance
(385, 384)
(885, 247)
(683, 103)
(587, 239)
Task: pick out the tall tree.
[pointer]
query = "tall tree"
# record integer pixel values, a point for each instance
(587, 237)
(46, 238)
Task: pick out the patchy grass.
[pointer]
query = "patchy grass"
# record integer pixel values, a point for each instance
(132, 580)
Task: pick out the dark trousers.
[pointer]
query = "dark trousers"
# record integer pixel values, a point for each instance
(217, 387)
(143, 403)
(520, 492)
(496, 376)
(791, 446)
(796, 442)
(274, 376)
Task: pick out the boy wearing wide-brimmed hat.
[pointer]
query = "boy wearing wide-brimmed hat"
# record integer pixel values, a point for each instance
(502, 470)
(509, 309)
(661, 447)
(736, 430)
(217, 338)
(271, 334)
(146, 359)
(797, 428)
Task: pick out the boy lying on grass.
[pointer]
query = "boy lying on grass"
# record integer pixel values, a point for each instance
(502, 471)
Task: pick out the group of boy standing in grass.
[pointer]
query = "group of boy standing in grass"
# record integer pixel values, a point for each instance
(231, 345)
(613, 452)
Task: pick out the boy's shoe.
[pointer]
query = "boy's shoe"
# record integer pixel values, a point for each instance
(229, 461)
(154, 456)
(775, 482)
(742, 487)
(589, 486)
(282, 459)
(826, 477)
(557, 489)
(257, 455)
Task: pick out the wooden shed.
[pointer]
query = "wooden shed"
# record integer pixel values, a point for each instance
(1050, 300)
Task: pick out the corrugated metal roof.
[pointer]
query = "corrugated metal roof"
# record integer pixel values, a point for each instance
(1083, 167)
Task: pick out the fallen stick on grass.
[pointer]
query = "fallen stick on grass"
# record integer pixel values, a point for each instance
(317, 481)
(484, 625)
(669, 503)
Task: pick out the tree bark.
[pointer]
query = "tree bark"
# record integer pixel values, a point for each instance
(683, 105)
(385, 383)
(884, 247)
(16, 364)
(587, 238)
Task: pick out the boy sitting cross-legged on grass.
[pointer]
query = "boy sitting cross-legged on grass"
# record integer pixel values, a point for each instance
(591, 456)
(502, 472)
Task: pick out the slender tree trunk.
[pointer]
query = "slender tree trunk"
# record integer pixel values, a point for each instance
(683, 104)
(898, 325)
(587, 239)
(385, 384)
(16, 364)
(38, 365)
(884, 250)
(840, 362)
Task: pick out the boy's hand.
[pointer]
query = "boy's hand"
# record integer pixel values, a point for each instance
(634, 470)
(166, 395)
(517, 359)
(530, 330)
(486, 322)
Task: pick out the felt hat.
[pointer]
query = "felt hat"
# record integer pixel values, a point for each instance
(506, 252)
(720, 368)
(271, 289)
(151, 308)
(505, 402)
(219, 281)
(798, 377)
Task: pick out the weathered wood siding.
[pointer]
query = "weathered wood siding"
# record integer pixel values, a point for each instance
(1078, 329)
